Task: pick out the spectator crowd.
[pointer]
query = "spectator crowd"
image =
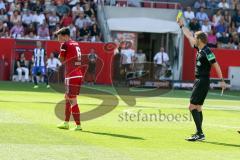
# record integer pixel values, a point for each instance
(219, 19)
(39, 19)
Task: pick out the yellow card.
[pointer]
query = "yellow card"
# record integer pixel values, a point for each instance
(179, 15)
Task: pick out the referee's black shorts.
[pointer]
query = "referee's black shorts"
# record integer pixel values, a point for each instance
(200, 90)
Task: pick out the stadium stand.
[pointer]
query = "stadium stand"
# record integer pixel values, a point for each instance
(166, 4)
(38, 19)
(222, 17)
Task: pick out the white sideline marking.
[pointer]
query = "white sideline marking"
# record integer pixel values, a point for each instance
(10, 117)
(220, 108)
(222, 126)
(58, 152)
(216, 94)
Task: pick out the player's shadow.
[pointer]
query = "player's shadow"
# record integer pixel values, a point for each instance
(222, 144)
(115, 135)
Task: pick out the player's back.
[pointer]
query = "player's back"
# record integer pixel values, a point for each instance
(72, 59)
(39, 57)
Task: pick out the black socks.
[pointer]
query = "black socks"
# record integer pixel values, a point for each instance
(197, 117)
(35, 80)
(201, 117)
(46, 79)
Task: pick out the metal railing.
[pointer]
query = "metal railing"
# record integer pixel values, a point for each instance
(147, 71)
(165, 4)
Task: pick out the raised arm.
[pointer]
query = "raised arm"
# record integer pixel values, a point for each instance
(187, 32)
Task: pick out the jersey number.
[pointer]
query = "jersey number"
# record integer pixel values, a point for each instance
(78, 53)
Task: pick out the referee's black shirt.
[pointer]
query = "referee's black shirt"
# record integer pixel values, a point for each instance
(205, 58)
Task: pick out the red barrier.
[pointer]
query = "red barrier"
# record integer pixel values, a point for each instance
(6, 49)
(188, 61)
(225, 58)
(10, 49)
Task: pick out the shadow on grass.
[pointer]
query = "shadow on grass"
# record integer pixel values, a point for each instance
(115, 135)
(54, 103)
(222, 144)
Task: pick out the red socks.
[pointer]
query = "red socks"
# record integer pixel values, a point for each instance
(76, 114)
(67, 111)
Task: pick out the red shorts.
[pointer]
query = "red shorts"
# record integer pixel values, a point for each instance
(73, 85)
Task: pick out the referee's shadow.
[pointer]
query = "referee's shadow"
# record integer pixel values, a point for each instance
(222, 144)
(114, 135)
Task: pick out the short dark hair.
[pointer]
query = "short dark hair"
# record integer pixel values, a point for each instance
(63, 31)
(202, 36)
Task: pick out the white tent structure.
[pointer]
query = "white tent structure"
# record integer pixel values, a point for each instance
(143, 24)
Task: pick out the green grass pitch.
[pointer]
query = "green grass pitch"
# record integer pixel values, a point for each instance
(28, 128)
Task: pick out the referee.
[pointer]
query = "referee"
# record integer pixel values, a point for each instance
(204, 61)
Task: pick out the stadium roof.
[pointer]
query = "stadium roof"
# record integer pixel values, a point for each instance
(143, 24)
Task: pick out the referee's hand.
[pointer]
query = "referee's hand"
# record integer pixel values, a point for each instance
(180, 22)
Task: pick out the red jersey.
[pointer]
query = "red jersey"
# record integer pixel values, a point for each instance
(71, 54)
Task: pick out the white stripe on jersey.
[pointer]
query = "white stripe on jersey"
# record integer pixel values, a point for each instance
(39, 57)
(73, 77)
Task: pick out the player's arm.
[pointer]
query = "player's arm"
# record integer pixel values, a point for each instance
(217, 67)
(212, 60)
(187, 32)
(63, 50)
(218, 70)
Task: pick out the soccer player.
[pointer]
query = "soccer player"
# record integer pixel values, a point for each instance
(205, 60)
(70, 55)
(91, 71)
(39, 58)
